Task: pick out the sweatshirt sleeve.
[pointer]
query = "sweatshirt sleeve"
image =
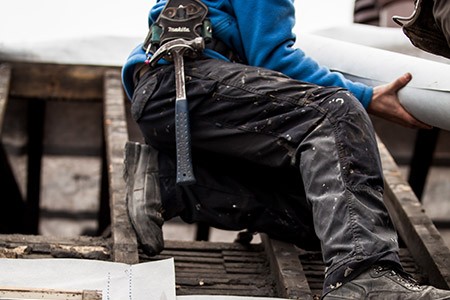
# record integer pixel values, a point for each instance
(266, 33)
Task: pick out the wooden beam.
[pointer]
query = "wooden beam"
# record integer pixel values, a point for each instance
(47, 242)
(34, 240)
(414, 227)
(116, 135)
(50, 294)
(56, 81)
(36, 246)
(287, 269)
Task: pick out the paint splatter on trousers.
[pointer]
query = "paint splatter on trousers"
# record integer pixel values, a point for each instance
(275, 155)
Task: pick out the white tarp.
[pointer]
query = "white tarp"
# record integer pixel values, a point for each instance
(117, 281)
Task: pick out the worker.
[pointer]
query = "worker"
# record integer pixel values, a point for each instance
(278, 143)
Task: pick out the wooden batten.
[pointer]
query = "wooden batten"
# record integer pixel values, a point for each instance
(287, 268)
(116, 135)
(49, 294)
(55, 81)
(414, 227)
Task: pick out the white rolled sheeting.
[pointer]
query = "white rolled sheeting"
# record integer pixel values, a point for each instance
(426, 97)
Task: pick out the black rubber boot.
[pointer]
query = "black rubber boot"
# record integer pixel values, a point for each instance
(143, 196)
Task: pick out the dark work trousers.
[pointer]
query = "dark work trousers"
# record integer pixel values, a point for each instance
(276, 155)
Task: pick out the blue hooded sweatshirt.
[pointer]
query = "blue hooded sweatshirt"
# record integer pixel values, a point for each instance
(260, 32)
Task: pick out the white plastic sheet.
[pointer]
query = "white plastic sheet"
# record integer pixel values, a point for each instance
(117, 281)
(427, 96)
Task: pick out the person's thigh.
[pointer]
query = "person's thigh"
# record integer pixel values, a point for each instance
(239, 111)
(247, 127)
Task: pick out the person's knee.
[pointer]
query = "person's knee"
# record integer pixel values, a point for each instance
(343, 103)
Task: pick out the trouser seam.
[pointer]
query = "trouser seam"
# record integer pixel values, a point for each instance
(348, 190)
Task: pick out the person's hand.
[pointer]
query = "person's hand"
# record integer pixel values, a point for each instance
(385, 104)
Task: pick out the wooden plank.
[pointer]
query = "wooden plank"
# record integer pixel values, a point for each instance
(188, 253)
(50, 294)
(19, 239)
(199, 266)
(125, 247)
(287, 269)
(415, 228)
(199, 260)
(57, 81)
(252, 259)
(246, 270)
(27, 246)
(212, 246)
(225, 291)
(242, 289)
(190, 274)
(209, 281)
